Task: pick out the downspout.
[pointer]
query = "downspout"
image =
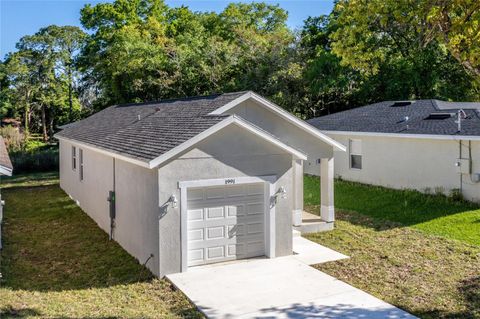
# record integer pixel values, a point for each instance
(1, 214)
(460, 156)
(112, 200)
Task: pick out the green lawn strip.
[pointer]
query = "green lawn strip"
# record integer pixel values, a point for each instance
(24, 180)
(435, 214)
(427, 275)
(56, 262)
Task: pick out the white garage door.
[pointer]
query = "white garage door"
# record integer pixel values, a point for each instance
(225, 223)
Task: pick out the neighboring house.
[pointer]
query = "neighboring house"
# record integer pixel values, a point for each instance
(6, 169)
(196, 180)
(409, 144)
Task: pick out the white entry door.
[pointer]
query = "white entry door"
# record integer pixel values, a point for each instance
(225, 223)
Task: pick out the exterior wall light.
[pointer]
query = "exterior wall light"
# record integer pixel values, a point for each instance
(173, 200)
(281, 193)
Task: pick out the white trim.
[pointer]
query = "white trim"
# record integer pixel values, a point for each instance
(215, 128)
(5, 171)
(104, 152)
(284, 114)
(270, 185)
(400, 135)
(183, 229)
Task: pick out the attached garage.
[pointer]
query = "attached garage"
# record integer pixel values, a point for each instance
(227, 219)
(194, 181)
(226, 222)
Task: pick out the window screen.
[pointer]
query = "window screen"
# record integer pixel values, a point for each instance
(355, 148)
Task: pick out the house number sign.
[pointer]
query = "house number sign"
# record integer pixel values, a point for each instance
(230, 181)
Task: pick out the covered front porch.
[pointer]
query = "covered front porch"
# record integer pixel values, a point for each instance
(305, 222)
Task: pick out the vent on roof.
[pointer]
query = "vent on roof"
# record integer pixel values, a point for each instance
(401, 103)
(438, 116)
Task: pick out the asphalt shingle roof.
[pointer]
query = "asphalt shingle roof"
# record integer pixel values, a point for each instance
(383, 118)
(147, 130)
(4, 158)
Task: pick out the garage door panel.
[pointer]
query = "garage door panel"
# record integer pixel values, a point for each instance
(254, 228)
(255, 208)
(214, 192)
(215, 232)
(255, 189)
(215, 212)
(232, 201)
(235, 210)
(225, 223)
(195, 214)
(196, 234)
(196, 255)
(216, 252)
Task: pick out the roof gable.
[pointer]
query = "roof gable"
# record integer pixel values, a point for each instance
(148, 134)
(283, 114)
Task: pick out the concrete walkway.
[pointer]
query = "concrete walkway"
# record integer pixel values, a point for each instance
(284, 287)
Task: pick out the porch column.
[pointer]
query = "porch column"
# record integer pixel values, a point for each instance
(297, 192)
(327, 211)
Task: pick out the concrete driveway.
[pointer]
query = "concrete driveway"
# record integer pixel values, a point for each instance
(284, 287)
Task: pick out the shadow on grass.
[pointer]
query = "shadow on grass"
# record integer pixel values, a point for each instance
(50, 244)
(408, 207)
(470, 291)
(10, 312)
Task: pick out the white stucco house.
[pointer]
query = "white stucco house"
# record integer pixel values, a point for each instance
(192, 181)
(427, 145)
(6, 169)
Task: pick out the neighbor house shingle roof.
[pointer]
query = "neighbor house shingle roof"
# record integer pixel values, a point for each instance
(384, 118)
(4, 158)
(147, 130)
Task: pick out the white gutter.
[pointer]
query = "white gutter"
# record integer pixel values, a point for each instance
(400, 135)
(5, 171)
(104, 152)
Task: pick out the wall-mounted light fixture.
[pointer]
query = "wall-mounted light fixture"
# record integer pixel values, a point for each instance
(173, 200)
(281, 193)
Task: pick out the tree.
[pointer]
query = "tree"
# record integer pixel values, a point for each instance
(40, 76)
(390, 43)
(143, 50)
(456, 24)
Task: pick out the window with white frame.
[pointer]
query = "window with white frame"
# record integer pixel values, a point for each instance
(355, 150)
(74, 158)
(80, 165)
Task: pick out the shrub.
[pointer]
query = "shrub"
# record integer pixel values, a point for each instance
(13, 138)
(456, 195)
(40, 159)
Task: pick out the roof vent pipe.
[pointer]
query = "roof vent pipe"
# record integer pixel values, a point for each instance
(460, 116)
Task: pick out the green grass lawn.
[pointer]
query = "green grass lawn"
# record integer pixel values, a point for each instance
(427, 275)
(433, 214)
(419, 252)
(57, 263)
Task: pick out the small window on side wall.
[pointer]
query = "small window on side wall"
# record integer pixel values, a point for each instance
(80, 155)
(74, 158)
(355, 150)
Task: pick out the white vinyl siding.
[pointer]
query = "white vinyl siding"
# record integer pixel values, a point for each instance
(74, 158)
(355, 150)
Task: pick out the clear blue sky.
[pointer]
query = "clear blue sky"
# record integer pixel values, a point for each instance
(22, 17)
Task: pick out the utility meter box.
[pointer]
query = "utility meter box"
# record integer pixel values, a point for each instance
(463, 165)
